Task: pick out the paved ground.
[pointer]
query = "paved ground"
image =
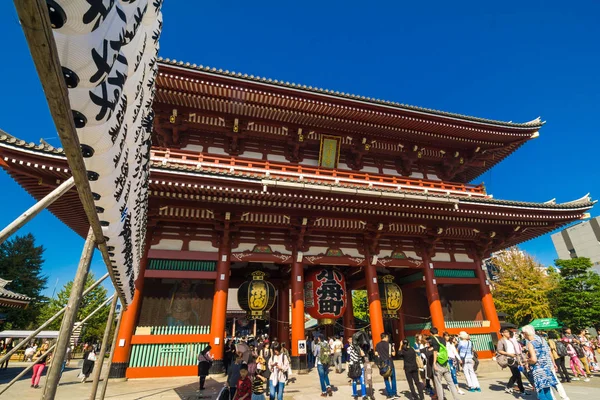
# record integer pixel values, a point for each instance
(303, 387)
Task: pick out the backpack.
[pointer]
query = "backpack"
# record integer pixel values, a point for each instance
(561, 348)
(324, 355)
(442, 357)
(578, 350)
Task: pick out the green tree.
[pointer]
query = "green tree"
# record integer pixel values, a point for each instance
(524, 287)
(94, 327)
(21, 262)
(576, 297)
(360, 304)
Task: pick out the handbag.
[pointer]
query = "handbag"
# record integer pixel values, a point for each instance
(354, 371)
(419, 360)
(92, 356)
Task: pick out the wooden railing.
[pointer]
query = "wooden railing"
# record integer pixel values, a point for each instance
(173, 330)
(467, 324)
(308, 174)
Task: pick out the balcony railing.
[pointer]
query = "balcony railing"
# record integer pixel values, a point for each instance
(173, 330)
(274, 170)
(467, 324)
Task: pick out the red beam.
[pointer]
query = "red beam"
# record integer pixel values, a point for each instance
(457, 281)
(161, 372)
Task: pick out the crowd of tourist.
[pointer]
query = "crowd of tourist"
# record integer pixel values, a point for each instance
(259, 367)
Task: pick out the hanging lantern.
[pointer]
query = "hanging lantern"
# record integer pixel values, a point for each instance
(325, 295)
(256, 296)
(391, 297)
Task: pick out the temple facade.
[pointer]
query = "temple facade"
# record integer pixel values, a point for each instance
(251, 174)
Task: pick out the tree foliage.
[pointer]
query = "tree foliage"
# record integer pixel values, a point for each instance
(524, 287)
(94, 327)
(21, 262)
(360, 304)
(576, 299)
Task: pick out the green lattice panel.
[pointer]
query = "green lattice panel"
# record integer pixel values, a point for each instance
(165, 355)
(180, 330)
(181, 265)
(454, 273)
(464, 324)
(483, 342)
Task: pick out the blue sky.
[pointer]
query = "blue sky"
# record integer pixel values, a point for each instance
(513, 61)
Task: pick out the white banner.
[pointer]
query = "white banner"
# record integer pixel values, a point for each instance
(108, 51)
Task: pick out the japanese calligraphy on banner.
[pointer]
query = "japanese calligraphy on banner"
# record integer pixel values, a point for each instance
(325, 295)
(391, 297)
(108, 51)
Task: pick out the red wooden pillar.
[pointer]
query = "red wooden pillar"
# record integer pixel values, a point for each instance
(487, 302)
(120, 361)
(375, 314)
(396, 333)
(349, 325)
(299, 362)
(219, 307)
(283, 309)
(435, 305)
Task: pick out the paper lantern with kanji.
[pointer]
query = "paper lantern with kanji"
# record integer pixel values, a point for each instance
(325, 295)
(256, 296)
(391, 297)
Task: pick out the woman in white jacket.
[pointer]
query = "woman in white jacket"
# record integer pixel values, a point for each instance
(279, 366)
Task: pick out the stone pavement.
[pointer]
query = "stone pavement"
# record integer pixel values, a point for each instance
(302, 387)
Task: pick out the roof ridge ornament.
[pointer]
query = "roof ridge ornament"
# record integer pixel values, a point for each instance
(583, 200)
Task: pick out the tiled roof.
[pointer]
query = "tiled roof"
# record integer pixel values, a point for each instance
(537, 122)
(10, 295)
(584, 202)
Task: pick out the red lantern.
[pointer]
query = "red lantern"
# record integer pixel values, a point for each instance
(325, 295)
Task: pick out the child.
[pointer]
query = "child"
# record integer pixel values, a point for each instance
(261, 376)
(575, 363)
(244, 385)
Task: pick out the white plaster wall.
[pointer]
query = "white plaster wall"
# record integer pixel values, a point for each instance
(168, 244)
(193, 147)
(412, 254)
(352, 252)
(201, 245)
(441, 257)
(416, 175)
(252, 154)
(216, 151)
(276, 157)
(313, 251)
(460, 257)
(389, 171)
(374, 170)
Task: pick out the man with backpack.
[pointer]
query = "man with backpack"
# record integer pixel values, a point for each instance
(384, 351)
(322, 353)
(559, 352)
(440, 366)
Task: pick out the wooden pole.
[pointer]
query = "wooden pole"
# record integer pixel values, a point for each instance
(35, 22)
(68, 320)
(36, 209)
(19, 376)
(48, 322)
(112, 354)
(5, 388)
(100, 360)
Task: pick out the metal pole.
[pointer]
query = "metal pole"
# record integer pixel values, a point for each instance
(68, 320)
(100, 359)
(48, 322)
(36, 209)
(9, 384)
(112, 354)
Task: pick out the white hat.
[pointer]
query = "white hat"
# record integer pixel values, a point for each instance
(463, 335)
